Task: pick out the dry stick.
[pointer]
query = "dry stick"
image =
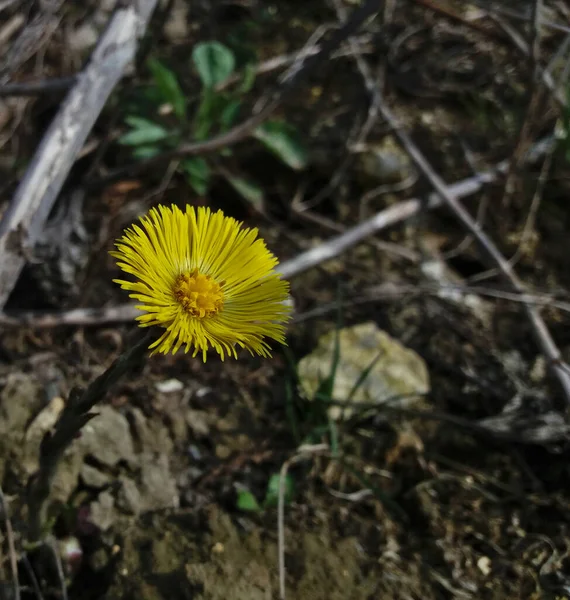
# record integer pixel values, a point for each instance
(496, 8)
(399, 212)
(286, 60)
(532, 100)
(25, 561)
(541, 333)
(60, 146)
(51, 544)
(36, 88)
(76, 317)
(391, 292)
(268, 106)
(76, 414)
(546, 77)
(301, 263)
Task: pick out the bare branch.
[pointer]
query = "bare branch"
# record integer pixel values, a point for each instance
(37, 88)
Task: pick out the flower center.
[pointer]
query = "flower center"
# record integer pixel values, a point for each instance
(199, 294)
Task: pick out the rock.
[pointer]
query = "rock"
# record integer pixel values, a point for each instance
(94, 478)
(107, 438)
(399, 375)
(199, 422)
(102, 512)
(83, 38)
(67, 475)
(169, 386)
(45, 420)
(158, 486)
(20, 399)
(383, 162)
(129, 497)
(152, 435)
(176, 26)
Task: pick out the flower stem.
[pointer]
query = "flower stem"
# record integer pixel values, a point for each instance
(72, 419)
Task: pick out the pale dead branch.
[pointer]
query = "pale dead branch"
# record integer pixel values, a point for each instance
(63, 141)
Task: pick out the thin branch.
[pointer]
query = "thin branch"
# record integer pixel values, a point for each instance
(532, 100)
(78, 317)
(30, 573)
(37, 88)
(52, 546)
(391, 291)
(62, 143)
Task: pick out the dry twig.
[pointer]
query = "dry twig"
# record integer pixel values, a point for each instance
(541, 333)
(37, 88)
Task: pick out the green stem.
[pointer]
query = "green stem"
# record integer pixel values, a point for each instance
(72, 419)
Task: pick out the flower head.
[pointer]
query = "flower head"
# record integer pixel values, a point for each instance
(208, 281)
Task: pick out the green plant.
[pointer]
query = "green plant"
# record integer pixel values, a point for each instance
(163, 118)
(247, 502)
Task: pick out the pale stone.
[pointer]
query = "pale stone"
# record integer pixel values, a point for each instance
(399, 375)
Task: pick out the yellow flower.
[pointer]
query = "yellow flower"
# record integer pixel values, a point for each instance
(204, 278)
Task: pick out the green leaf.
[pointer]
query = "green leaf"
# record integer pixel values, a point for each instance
(169, 87)
(142, 132)
(284, 141)
(203, 120)
(143, 152)
(248, 80)
(229, 114)
(246, 501)
(272, 494)
(248, 190)
(197, 174)
(214, 63)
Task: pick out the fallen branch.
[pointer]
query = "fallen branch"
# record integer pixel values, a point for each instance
(397, 213)
(60, 146)
(37, 88)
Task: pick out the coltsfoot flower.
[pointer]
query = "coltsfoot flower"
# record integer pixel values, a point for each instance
(204, 278)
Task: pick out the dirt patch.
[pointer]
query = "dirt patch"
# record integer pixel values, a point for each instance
(211, 557)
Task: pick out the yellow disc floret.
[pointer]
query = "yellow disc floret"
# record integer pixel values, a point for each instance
(199, 294)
